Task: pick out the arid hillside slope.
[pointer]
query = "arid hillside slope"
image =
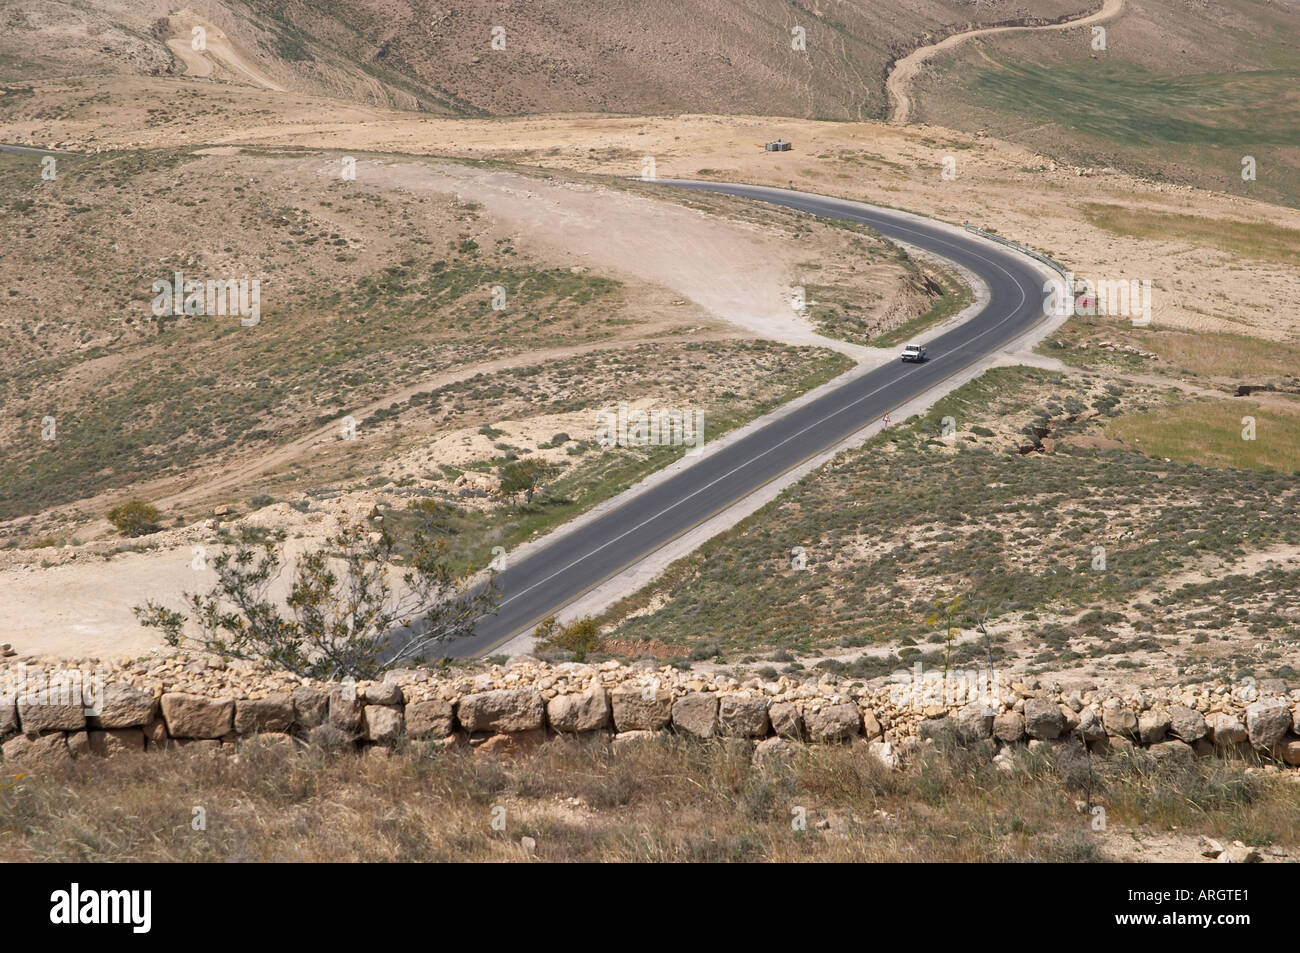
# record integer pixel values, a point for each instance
(1184, 92)
(1148, 86)
(469, 58)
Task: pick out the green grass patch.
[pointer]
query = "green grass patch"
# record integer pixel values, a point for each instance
(1189, 127)
(1130, 104)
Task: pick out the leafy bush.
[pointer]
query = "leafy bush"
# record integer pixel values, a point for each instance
(524, 477)
(580, 637)
(135, 518)
(345, 619)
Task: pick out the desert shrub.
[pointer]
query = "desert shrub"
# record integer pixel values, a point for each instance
(344, 618)
(524, 476)
(135, 518)
(580, 638)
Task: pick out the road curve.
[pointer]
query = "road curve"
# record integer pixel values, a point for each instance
(574, 561)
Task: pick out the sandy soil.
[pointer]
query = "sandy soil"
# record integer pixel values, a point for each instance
(686, 272)
(325, 439)
(83, 607)
(741, 274)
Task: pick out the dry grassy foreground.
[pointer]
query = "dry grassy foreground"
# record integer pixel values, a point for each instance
(667, 799)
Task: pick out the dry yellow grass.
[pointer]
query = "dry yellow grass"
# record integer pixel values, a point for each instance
(1217, 433)
(663, 800)
(1228, 357)
(1241, 239)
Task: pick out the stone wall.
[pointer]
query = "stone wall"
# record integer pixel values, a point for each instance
(209, 704)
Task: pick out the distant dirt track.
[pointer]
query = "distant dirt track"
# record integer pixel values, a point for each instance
(905, 70)
(217, 49)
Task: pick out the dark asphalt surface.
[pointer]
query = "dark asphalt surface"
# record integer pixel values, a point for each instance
(555, 575)
(34, 150)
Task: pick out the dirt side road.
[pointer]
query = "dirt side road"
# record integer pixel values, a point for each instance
(899, 81)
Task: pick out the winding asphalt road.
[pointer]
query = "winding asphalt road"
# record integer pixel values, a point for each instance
(579, 560)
